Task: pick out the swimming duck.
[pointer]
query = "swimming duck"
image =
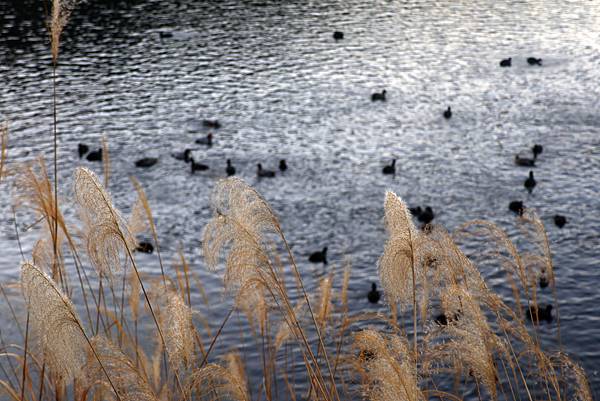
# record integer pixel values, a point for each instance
(264, 173)
(337, 35)
(560, 220)
(319, 256)
(82, 149)
(390, 169)
(426, 216)
(543, 281)
(197, 166)
(538, 314)
(145, 247)
(95, 156)
(230, 170)
(534, 61)
(530, 182)
(415, 211)
(379, 96)
(146, 162)
(516, 207)
(374, 295)
(282, 165)
(211, 123)
(537, 150)
(206, 140)
(507, 62)
(164, 35)
(524, 161)
(185, 155)
(448, 113)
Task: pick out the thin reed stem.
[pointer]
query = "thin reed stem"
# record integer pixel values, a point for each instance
(25, 356)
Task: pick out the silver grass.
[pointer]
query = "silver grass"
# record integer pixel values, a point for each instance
(241, 220)
(286, 329)
(238, 210)
(582, 390)
(126, 377)
(395, 265)
(107, 233)
(503, 249)
(472, 342)
(61, 11)
(55, 324)
(179, 331)
(324, 304)
(137, 221)
(34, 190)
(542, 259)
(229, 381)
(388, 371)
(251, 299)
(345, 284)
(43, 252)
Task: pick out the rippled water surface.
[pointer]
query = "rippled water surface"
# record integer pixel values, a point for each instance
(283, 88)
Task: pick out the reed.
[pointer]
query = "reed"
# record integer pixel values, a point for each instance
(485, 344)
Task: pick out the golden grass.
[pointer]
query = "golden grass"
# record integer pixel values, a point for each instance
(485, 343)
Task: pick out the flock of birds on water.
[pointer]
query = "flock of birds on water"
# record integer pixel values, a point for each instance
(424, 214)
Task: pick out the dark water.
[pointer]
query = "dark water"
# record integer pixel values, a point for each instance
(282, 88)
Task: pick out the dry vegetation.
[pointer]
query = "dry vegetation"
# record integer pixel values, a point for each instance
(485, 345)
(96, 351)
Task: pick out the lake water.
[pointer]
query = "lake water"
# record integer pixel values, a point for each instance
(282, 88)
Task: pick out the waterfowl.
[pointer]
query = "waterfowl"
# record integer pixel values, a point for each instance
(415, 211)
(537, 150)
(282, 165)
(374, 295)
(206, 140)
(82, 149)
(537, 314)
(95, 156)
(264, 173)
(145, 247)
(560, 220)
(517, 207)
(530, 182)
(426, 216)
(211, 123)
(146, 162)
(164, 35)
(507, 62)
(230, 170)
(441, 319)
(448, 113)
(319, 256)
(534, 61)
(524, 161)
(197, 166)
(185, 155)
(379, 96)
(390, 169)
(543, 281)
(337, 35)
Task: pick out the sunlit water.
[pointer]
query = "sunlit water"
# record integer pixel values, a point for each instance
(283, 88)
